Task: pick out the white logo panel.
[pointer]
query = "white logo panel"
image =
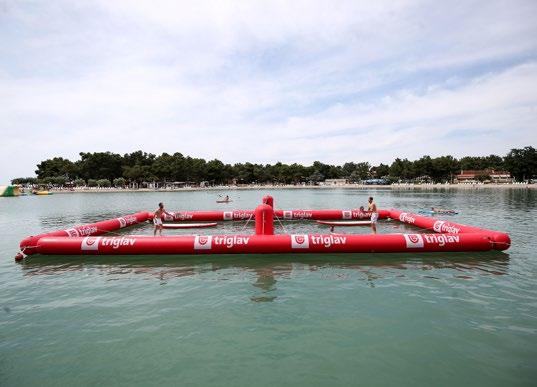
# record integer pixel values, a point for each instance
(203, 242)
(346, 215)
(288, 215)
(72, 232)
(300, 242)
(228, 215)
(90, 243)
(437, 227)
(413, 241)
(122, 222)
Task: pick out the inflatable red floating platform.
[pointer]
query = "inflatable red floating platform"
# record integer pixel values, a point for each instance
(440, 235)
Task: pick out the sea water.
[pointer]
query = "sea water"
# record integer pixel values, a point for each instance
(270, 320)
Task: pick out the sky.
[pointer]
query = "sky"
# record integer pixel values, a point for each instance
(266, 81)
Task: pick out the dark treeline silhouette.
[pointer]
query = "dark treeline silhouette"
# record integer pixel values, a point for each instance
(106, 169)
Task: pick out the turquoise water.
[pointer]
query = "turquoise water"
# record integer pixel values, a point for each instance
(387, 319)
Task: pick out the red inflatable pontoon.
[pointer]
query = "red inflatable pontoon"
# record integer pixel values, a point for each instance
(197, 216)
(28, 244)
(443, 226)
(440, 235)
(261, 244)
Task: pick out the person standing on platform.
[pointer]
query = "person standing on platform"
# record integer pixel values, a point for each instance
(157, 219)
(372, 206)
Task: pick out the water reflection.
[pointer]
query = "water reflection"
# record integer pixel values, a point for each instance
(266, 282)
(521, 199)
(264, 271)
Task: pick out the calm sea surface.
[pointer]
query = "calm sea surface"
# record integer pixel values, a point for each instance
(466, 319)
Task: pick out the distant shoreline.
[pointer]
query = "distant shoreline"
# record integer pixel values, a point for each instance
(318, 187)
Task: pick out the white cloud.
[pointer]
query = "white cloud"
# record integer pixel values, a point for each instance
(266, 81)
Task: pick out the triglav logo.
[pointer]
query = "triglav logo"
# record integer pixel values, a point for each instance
(116, 242)
(182, 215)
(125, 221)
(230, 241)
(441, 226)
(443, 239)
(301, 214)
(202, 242)
(346, 214)
(300, 242)
(87, 230)
(72, 233)
(90, 243)
(328, 240)
(130, 219)
(288, 215)
(361, 215)
(242, 214)
(122, 222)
(228, 215)
(414, 241)
(437, 226)
(405, 218)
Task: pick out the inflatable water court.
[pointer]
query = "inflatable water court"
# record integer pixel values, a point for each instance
(432, 235)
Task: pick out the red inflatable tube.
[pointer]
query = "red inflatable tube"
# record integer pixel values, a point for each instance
(501, 240)
(28, 244)
(328, 214)
(259, 244)
(282, 214)
(196, 216)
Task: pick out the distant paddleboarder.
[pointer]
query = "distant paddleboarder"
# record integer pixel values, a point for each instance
(226, 199)
(372, 206)
(157, 218)
(442, 210)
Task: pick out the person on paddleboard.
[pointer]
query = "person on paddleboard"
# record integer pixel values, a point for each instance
(442, 210)
(157, 218)
(372, 206)
(225, 199)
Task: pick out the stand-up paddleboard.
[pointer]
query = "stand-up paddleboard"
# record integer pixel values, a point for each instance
(188, 225)
(224, 201)
(349, 223)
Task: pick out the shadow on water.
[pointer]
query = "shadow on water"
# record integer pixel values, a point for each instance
(521, 199)
(267, 269)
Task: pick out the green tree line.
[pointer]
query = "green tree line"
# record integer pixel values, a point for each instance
(107, 168)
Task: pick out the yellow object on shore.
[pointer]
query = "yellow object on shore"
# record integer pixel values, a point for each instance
(42, 193)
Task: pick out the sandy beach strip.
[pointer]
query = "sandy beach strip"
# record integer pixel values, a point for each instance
(319, 187)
